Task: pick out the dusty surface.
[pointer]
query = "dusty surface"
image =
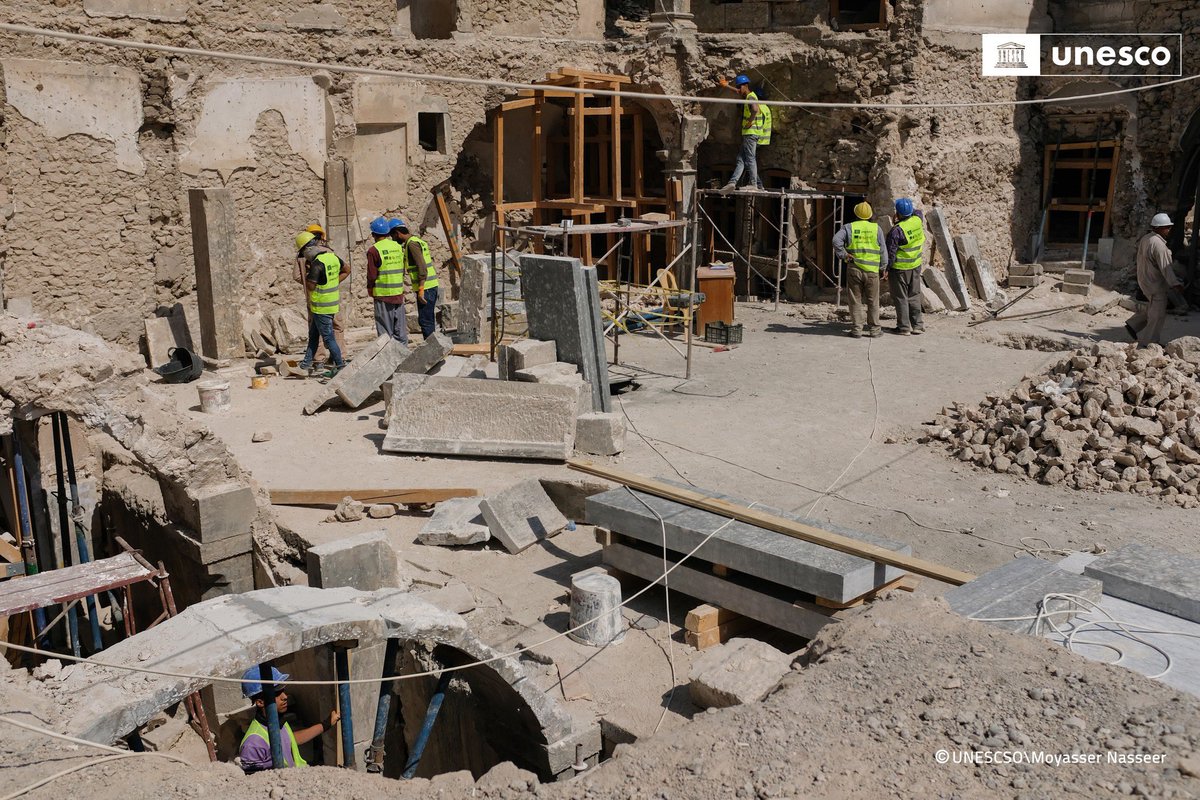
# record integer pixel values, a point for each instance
(842, 726)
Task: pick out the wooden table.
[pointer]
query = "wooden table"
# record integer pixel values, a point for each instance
(717, 286)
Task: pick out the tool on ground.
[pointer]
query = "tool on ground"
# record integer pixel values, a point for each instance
(995, 314)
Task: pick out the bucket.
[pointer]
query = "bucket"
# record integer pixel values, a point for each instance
(214, 396)
(258, 382)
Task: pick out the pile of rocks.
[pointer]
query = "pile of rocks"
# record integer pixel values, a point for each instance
(1111, 418)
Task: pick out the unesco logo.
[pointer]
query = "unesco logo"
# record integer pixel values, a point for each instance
(1131, 55)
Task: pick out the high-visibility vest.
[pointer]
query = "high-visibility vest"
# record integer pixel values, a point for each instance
(324, 298)
(752, 124)
(864, 245)
(908, 256)
(431, 281)
(765, 136)
(390, 281)
(258, 729)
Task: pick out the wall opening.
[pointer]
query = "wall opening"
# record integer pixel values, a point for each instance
(431, 131)
(428, 19)
(858, 15)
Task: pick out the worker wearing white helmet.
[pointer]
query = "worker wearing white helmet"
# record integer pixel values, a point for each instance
(1157, 281)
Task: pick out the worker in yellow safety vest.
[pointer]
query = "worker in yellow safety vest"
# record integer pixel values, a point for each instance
(324, 272)
(422, 275)
(756, 130)
(254, 752)
(319, 244)
(385, 281)
(860, 245)
(905, 241)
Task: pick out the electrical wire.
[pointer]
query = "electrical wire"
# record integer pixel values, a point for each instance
(516, 85)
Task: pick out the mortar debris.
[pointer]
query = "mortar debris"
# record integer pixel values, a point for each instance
(1108, 418)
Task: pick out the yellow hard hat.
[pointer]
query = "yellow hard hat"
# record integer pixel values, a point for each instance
(303, 238)
(863, 210)
(317, 230)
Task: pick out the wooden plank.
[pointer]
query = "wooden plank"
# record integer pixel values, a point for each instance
(615, 144)
(576, 126)
(10, 553)
(706, 617)
(498, 165)
(1112, 187)
(771, 522)
(70, 583)
(513, 105)
(331, 497)
(702, 640)
(598, 77)
(443, 210)
(538, 185)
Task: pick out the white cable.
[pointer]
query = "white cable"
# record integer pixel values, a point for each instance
(94, 762)
(874, 427)
(493, 83)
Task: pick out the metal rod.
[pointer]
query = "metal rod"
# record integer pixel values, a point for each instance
(431, 715)
(694, 246)
(375, 753)
(81, 541)
(783, 209)
(274, 735)
(1087, 229)
(64, 526)
(27, 542)
(341, 668)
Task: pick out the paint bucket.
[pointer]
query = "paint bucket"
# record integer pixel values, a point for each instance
(214, 396)
(258, 382)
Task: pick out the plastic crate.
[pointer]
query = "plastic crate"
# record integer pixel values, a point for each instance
(720, 333)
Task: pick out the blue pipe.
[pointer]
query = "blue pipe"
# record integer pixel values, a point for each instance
(431, 715)
(383, 710)
(341, 665)
(64, 525)
(273, 732)
(29, 545)
(81, 542)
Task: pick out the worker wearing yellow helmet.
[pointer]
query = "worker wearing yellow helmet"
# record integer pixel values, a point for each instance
(860, 245)
(318, 244)
(323, 275)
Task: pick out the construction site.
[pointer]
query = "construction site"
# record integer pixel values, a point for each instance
(453, 398)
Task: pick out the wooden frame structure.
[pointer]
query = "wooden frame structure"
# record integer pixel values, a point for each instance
(603, 149)
(1081, 158)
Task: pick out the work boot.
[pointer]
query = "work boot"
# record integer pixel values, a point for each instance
(875, 332)
(856, 333)
(1132, 333)
(729, 187)
(902, 331)
(917, 331)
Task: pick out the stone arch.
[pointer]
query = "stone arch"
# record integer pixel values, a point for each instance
(228, 635)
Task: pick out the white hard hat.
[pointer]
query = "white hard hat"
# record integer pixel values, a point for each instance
(1161, 221)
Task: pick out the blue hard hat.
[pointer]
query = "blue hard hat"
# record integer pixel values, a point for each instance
(254, 687)
(380, 226)
(741, 80)
(904, 207)
(396, 222)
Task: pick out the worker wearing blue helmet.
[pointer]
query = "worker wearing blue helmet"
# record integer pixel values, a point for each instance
(905, 243)
(755, 130)
(385, 281)
(254, 752)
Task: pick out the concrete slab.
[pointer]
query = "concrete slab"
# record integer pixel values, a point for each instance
(562, 303)
(935, 281)
(1153, 577)
(1075, 288)
(362, 377)
(738, 672)
(219, 269)
(1017, 589)
(545, 373)
(950, 265)
(426, 355)
(524, 354)
(467, 416)
(455, 522)
(362, 357)
(365, 562)
(221, 511)
(600, 433)
(765, 554)
(521, 515)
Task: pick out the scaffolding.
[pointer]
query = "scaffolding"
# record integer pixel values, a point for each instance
(789, 252)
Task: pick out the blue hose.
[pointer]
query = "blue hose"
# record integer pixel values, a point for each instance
(431, 715)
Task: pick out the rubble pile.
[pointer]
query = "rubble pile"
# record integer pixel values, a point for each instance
(1108, 418)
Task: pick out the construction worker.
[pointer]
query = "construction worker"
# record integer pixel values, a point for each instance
(255, 750)
(319, 245)
(753, 130)
(904, 243)
(324, 272)
(1157, 281)
(422, 275)
(385, 282)
(860, 245)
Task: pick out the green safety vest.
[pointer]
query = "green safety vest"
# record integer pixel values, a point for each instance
(258, 729)
(431, 281)
(390, 281)
(324, 298)
(765, 136)
(864, 245)
(754, 124)
(908, 256)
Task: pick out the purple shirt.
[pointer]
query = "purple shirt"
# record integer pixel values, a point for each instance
(256, 751)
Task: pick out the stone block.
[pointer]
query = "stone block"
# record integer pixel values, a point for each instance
(426, 355)
(365, 562)
(449, 367)
(1104, 252)
(1102, 303)
(1016, 589)
(1080, 276)
(944, 242)
(749, 549)
(570, 493)
(524, 354)
(1075, 288)
(219, 268)
(1149, 576)
(936, 282)
(221, 511)
(521, 515)
(154, 10)
(930, 302)
(203, 553)
(362, 378)
(1024, 281)
(562, 304)
(545, 373)
(319, 17)
(467, 416)
(228, 576)
(1025, 269)
(19, 306)
(455, 522)
(977, 270)
(738, 672)
(600, 433)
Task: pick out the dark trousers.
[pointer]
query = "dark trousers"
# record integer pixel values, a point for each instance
(320, 328)
(389, 319)
(427, 312)
(906, 296)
